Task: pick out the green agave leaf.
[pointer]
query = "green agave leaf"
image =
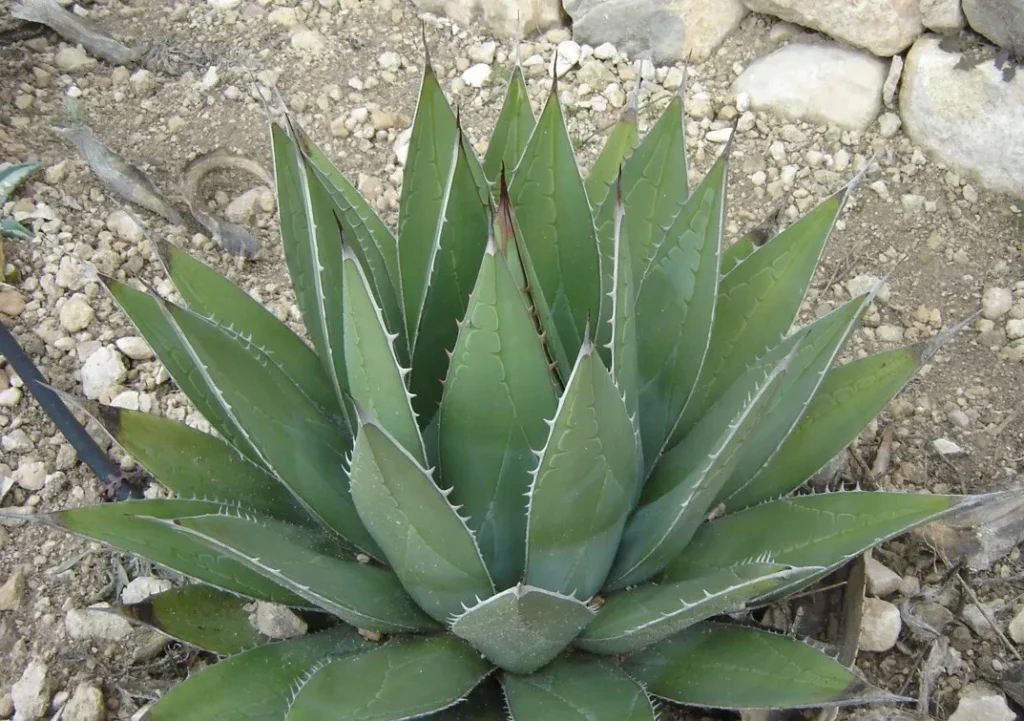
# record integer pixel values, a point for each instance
(359, 594)
(733, 667)
(14, 175)
(558, 231)
(368, 236)
(655, 186)
(312, 249)
(506, 236)
(10, 228)
(824, 530)
(136, 527)
(513, 129)
(736, 254)
(256, 685)
(305, 450)
(634, 619)
(178, 357)
(453, 266)
(811, 362)
(522, 628)
(757, 302)
(200, 616)
(210, 294)
(432, 150)
(376, 380)
(403, 679)
(484, 703)
(850, 396)
(194, 464)
(425, 540)
(584, 484)
(686, 482)
(623, 322)
(675, 306)
(577, 688)
(486, 449)
(608, 165)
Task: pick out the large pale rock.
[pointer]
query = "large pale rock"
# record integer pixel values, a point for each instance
(884, 27)
(817, 83)
(980, 702)
(969, 118)
(1001, 21)
(665, 30)
(500, 17)
(942, 16)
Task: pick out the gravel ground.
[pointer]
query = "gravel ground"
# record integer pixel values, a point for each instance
(351, 71)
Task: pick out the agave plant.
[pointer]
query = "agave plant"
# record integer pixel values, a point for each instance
(540, 453)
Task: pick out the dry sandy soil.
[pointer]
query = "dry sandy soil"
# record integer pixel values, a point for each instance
(941, 259)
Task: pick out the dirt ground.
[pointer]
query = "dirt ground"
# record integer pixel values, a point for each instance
(941, 259)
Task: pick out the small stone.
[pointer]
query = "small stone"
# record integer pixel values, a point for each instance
(386, 121)
(996, 302)
(10, 397)
(31, 692)
(889, 124)
(605, 51)
(889, 333)
(721, 135)
(241, 209)
(863, 283)
(979, 702)
(977, 618)
(881, 189)
(484, 52)
(129, 400)
(141, 588)
(389, 60)
(477, 75)
(401, 146)
(72, 58)
(970, 194)
(700, 106)
(12, 592)
(946, 447)
(338, 127)
(11, 303)
(277, 621)
(841, 160)
(17, 441)
(959, 418)
(125, 226)
(882, 581)
(309, 41)
(96, 623)
(85, 704)
(103, 369)
(285, 17)
(1015, 328)
(567, 55)
(224, 4)
(143, 81)
(210, 79)
(880, 625)
(76, 314)
(673, 79)
(31, 475)
(135, 347)
(1016, 628)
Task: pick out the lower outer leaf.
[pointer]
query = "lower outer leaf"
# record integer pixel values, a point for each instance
(400, 680)
(577, 688)
(523, 628)
(135, 526)
(201, 616)
(485, 703)
(733, 667)
(255, 685)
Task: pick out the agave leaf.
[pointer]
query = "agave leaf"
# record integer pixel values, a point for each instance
(14, 175)
(376, 380)
(675, 306)
(623, 322)
(688, 479)
(484, 703)
(558, 230)
(432, 150)
(757, 302)
(403, 679)
(194, 464)
(178, 357)
(302, 448)
(486, 449)
(849, 397)
(361, 595)
(425, 540)
(577, 688)
(312, 249)
(634, 619)
(811, 361)
(513, 129)
(509, 242)
(608, 165)
(522, 628)
(210, 294)
(370, 239)
(136, 527)
(453, 266)
(10, 228)
(824, 530)
(201, 616)
(256, 685)
(736, 254)
(584, 485)
(733, 667)
(655, 183)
